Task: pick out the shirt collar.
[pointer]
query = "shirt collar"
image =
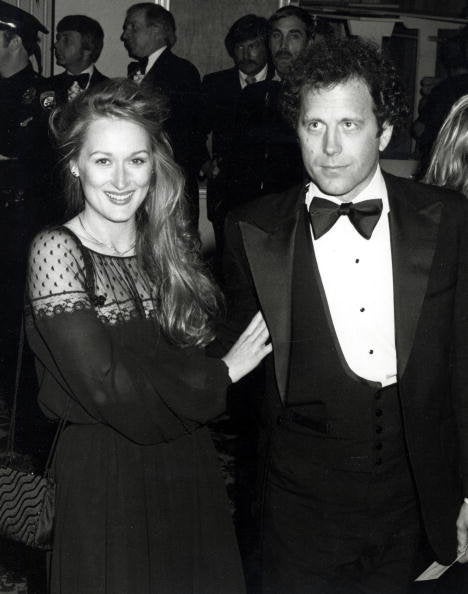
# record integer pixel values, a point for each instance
(376, 188)
(89, 70)
(154, 56)
(258, 77)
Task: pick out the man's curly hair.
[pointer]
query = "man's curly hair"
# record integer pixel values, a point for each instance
(336, 60)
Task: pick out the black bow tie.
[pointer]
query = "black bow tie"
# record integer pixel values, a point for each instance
(139, 66)
(81, 79)
(363, 215)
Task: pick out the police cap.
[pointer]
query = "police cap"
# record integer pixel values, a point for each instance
(20, 22)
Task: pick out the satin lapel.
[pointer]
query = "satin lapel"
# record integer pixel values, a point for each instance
(270, 258)
(413, 233)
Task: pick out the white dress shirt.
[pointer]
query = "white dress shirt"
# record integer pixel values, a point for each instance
(258, 77)
(357, 278)
(153, 57)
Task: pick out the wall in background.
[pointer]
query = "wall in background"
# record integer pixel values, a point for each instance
(111, 15)
(203, 24)
(201, 28)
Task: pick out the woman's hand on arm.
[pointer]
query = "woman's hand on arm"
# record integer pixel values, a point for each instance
(249, 350)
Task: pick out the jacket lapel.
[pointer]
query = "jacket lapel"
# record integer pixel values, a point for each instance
(414, 226)
(270, 253)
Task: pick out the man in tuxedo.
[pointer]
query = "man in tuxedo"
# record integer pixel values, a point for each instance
(362, 278)
(78, 45)
(149, 33)
(246, 43)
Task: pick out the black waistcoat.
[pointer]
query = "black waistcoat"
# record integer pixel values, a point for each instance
(339, 418)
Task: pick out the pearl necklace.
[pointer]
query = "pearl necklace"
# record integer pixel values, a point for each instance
(98, 242)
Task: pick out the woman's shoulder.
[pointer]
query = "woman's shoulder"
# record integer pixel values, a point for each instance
(59, 238)
(56, 255)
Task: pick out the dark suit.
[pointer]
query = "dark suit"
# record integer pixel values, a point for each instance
(330, 438)
(179, 80)
(221, 92)
(59, 84)
(265, 156)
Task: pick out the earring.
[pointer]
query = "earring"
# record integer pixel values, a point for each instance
(75, 173)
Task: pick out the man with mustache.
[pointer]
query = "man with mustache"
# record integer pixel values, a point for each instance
(246, 43)
(291, 30)
(265, 155)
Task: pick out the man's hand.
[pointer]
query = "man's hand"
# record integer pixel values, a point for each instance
(462, 533)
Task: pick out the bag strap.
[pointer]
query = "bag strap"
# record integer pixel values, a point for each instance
(14, 408)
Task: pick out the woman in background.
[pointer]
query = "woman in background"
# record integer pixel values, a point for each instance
(120, 309)
(449, 159)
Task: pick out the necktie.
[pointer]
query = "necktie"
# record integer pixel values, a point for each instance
(362, 215)
(250, 80)
(81, 79)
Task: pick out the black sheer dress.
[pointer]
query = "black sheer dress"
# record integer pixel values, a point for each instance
(141, 507)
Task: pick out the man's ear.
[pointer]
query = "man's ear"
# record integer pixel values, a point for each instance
(385, 136)
(15, 43)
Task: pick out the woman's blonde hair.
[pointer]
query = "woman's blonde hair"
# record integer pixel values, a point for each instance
(449, 157)
(186, 297)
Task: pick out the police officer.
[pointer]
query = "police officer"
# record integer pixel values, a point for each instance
(24, 151)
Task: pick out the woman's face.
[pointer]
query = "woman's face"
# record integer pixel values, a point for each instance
(115, 167)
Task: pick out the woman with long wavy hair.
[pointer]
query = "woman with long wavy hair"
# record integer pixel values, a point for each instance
(449, 158)
(119, 311)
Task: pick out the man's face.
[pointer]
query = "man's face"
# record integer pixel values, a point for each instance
(288, 38)
(141, 39)
(250, 56)
(337, 131)
(69, 51)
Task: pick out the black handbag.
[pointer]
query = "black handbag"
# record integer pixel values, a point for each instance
(27, 499)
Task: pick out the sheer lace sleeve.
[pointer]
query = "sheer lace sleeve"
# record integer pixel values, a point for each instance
(148, 398)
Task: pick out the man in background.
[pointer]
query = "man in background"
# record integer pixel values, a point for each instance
(435, 107)
(24, 152)
(265, 155)
(78, 45)
(247, 44)
(149, 33)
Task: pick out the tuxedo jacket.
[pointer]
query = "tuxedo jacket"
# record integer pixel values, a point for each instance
(179, 81)
(59, 84)
(429, 243)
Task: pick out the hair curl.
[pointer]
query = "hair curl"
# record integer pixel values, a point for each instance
(334, 61)
(187, 299)
(449, 158)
